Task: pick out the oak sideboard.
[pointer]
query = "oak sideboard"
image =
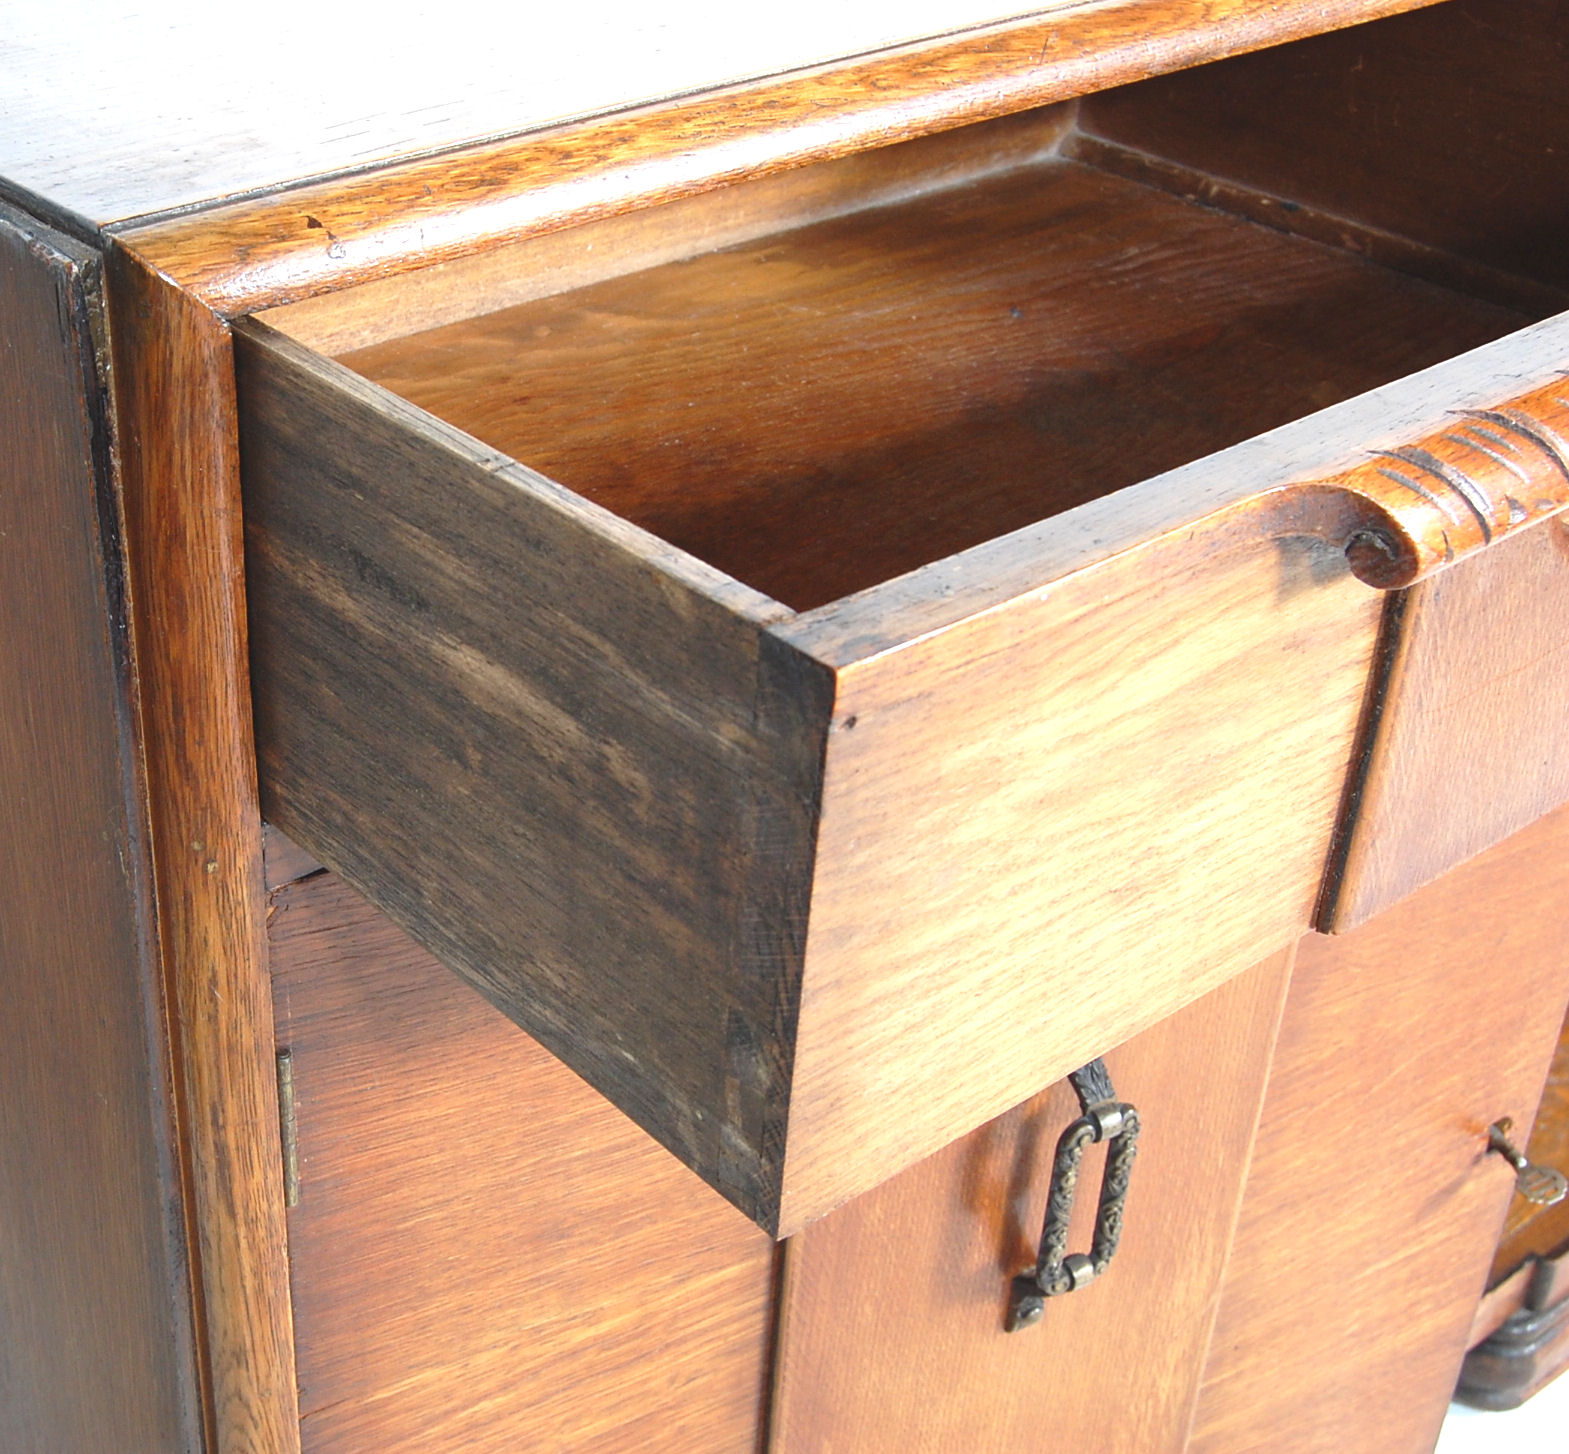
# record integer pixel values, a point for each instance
(636, 656)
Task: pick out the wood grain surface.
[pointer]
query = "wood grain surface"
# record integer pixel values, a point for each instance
(1372, 1205)
(566, 757)
(487, 1256)
(278, 248)
(1052, 825)
(175, 406)
(822, 410)
(1395, 250)
(1442, 126)
(96, 1334)
(892, 1336)
(1467, 745)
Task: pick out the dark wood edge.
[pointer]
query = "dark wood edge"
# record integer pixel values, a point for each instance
(756, 709)
(1508, 1366)
(175, 1170)
(266, 251)
(175, 405)
(83, 317)
(284, 861)
(1328, 917)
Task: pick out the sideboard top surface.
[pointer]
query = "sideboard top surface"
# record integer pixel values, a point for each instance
(114, 110)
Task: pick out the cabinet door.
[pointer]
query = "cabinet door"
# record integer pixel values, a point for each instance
(486, 1256)
(892, 1334)
(1373, 1206)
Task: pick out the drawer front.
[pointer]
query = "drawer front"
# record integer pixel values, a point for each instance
(1050, 827)
(484, 1254)
(1373, 1206)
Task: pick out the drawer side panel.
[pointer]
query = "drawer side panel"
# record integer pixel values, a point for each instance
(570, 766)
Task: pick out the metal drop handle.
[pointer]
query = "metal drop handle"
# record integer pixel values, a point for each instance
(1058, 1271)
(1540, 1184)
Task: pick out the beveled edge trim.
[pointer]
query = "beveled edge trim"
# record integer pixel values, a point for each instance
(265, 251)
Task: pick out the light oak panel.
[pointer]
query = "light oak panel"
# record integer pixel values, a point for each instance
(892, 1336)
(177, 428)
(1147, 754)
(487, 1256)
(1373, 1205)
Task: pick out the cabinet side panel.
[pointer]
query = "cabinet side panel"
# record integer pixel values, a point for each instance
(1373, 1206)
(892, 1338)
(487, 1256)
(95, 1311)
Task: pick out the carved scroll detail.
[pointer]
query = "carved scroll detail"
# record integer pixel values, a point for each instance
(1425, 505)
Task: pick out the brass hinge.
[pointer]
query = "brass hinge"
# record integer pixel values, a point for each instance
(288, 1129)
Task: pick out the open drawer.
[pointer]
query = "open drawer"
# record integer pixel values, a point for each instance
(829, 687)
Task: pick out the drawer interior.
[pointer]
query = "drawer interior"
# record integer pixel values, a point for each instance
(1149, 275)
(817, 411)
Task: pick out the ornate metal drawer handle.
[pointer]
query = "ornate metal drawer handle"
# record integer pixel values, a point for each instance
(1058, 1271)
(1539, 1184)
